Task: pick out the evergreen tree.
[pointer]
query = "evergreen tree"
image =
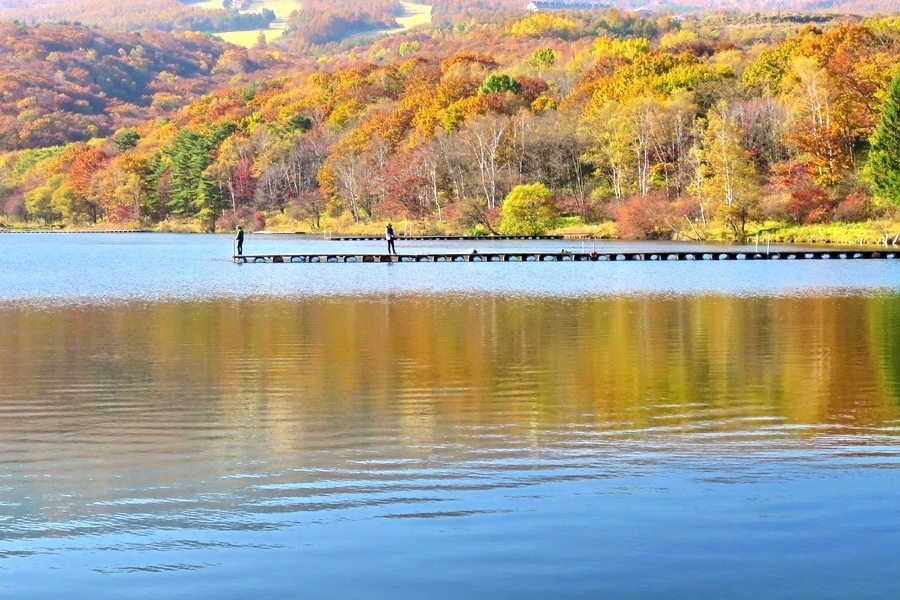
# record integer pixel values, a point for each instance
(190, 155)
(126, 139)
(884, 159)
(157, 188)
(193, 192)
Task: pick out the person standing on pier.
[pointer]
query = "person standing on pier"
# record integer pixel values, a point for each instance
(389, 236)
(240, 240)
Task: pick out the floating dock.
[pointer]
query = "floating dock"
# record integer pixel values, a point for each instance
(352, 257)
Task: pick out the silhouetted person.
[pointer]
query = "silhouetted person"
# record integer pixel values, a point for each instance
(389, 236)
(240, 240)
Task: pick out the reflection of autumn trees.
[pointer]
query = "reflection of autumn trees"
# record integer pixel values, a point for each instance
(700, 363)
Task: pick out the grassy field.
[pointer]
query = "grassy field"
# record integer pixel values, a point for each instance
(413, 16)
(281, 8)
(248, 38)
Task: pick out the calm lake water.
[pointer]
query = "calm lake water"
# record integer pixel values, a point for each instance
(173, 425)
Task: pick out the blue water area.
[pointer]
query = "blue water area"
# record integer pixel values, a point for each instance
(174, 425)
(67, 267)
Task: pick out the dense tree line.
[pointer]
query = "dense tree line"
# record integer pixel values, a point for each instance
(319, 22)
(651, 122)
(231, 20)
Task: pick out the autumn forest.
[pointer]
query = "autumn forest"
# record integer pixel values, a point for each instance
(492, 119)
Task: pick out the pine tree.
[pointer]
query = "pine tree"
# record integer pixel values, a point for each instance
(189, 155)
(193, 192)
(884, 159)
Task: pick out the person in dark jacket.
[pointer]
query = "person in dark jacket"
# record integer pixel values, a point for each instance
(389, 236)
(240, 240)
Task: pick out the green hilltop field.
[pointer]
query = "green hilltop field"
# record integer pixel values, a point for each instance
(413, 15)
(247, 38)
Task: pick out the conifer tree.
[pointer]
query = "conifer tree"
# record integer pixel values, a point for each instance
(193, 192)
(884, 159)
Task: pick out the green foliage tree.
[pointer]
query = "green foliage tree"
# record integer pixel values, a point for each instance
(497, 83)
(543, 58)
(261, 42)
(298, 122)
(66, 204)
(609, 134)
(528, 210)
(126, 139)
(884, 159)
(39, 201)
(190, 154)
(410, 48)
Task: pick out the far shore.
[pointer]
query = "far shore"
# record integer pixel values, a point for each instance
(858, 234)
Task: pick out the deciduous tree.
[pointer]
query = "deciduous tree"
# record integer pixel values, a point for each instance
(727, 178)
(528, 209)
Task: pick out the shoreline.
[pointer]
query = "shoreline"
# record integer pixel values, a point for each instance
(790, 235)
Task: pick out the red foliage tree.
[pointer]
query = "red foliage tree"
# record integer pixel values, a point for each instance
(808, 202)
(647, 217)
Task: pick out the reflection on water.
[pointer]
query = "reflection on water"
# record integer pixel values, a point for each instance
(885, 333)
(467, 445)
(173, 425)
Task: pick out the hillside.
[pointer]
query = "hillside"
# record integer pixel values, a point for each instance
(349, 17)
(65, 83)
(706, 127)
(131, 15)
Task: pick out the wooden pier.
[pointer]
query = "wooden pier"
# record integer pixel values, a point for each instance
(438, 238)
(432, 257)
(4, 230)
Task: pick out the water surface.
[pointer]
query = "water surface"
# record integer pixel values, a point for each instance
(66, 268)
(174, 425)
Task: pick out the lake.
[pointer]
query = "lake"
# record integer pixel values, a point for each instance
(173, 425)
